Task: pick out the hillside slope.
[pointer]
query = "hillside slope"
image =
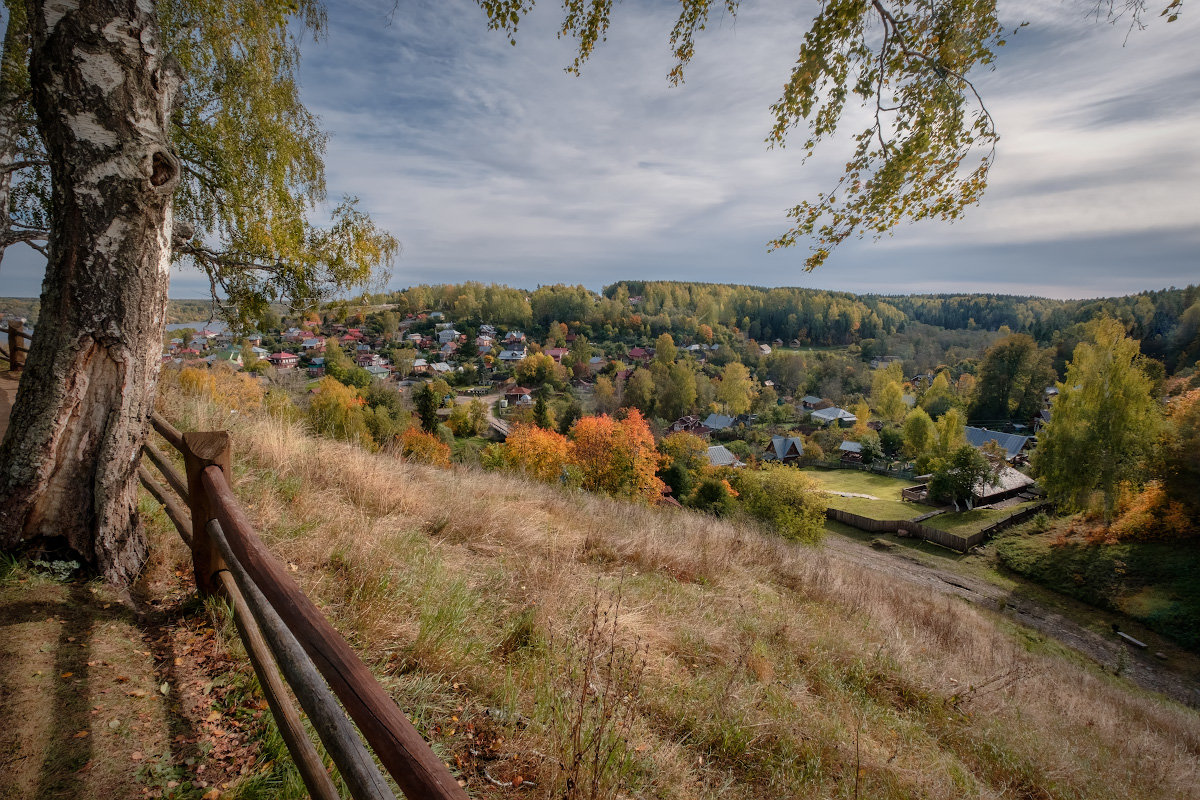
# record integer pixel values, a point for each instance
(769, 667)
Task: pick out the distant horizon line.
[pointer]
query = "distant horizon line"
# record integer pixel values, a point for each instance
(884, 294)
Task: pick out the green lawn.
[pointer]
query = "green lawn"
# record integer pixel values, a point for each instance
(859, 482)
(877, 509)
(968, 522)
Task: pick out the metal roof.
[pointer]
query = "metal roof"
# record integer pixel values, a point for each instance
(834, 413)
(720, 456)
(1011, 442)
(718, 421)
(781, 447)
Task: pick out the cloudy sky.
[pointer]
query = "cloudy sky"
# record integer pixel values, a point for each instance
(490, 163)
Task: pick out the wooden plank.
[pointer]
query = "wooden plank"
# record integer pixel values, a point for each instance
(1132, 640)
(176, 511)
(337, 734)
(16, 357)
(174, 479)
(304, 754)
(405, 754)
(202, 450)
(167, 431)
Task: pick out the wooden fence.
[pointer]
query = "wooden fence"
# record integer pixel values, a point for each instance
(17, 347)
(918, 530)
(283, 631)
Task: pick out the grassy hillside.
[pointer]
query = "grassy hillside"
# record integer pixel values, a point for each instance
(739, 666)
(1156, 583)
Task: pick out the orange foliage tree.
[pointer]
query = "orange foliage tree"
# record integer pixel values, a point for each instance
(617, 456)
(537, 452)
(423, 448)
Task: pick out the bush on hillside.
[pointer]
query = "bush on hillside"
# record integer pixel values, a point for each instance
(785, 498)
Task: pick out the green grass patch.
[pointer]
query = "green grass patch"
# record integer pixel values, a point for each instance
(877, 509)
(967, 522)
(860, 482)
(1156, 583)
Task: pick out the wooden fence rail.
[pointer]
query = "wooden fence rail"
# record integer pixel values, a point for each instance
(284, 631)
(15, 355)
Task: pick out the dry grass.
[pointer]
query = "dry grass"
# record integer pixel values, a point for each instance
(772, 667)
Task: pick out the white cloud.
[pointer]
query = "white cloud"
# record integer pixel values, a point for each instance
(487, 161)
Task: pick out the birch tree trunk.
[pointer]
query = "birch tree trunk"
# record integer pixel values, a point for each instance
(69, 459)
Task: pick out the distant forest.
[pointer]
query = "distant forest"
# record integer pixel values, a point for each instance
(177, 310)
(1165, 322)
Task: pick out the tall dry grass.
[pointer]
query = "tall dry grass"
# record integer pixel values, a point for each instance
(773, 668)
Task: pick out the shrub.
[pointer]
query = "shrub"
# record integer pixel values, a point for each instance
(714, 496)
(785, 498)
(423, 448)
(337, 411)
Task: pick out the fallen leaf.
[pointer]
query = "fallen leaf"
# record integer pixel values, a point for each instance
(80, 735)
(213, 716)
(66, 674)
(165, 688)
(137, 693)
(136, 755)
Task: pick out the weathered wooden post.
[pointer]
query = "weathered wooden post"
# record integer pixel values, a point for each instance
(200, 451)
(16, 346)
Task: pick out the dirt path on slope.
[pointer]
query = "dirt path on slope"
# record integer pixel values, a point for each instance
(1111, 654)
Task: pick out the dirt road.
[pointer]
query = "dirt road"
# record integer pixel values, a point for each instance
(1141, 667)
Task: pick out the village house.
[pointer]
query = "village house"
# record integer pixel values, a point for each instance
(369, 359)
(284, 360)
(1012, 443)
(851, 451)
(313, 346)
(511, 356)
(832, 415)
(518, 396)
(718, 422)
(556, 353)
(447, 335)
(720, 456)
(379, 373)
(231, 357)
(883, 361)
(785, 449)
(639, 354)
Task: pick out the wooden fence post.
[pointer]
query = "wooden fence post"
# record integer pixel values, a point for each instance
(200, 451)
(16, 346)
